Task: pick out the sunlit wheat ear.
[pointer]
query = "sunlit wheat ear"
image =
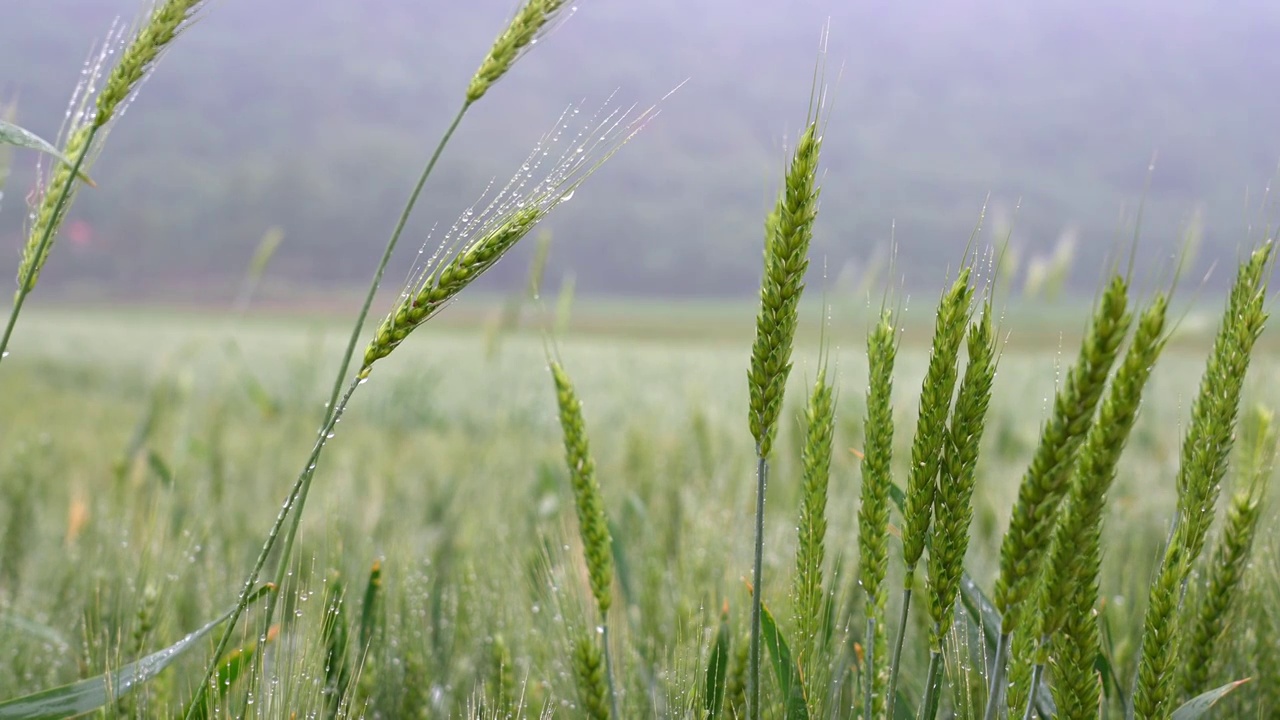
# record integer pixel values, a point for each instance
(528, 24)
(1205, 450)
(873, 510)
(481, 237)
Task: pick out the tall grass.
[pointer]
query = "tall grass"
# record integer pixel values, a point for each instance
(465, 567)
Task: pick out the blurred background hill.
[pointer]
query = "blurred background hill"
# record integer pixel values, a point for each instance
(316, 116)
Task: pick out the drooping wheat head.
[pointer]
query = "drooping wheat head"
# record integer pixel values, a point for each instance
(483, 236)
(529, 22)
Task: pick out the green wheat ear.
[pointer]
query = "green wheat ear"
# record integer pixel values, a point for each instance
(165, 22)
(873, 511)
(592, 523)
(1227, 567)
(1205, 450)
(953, 507)
(1068, 590)
(788, 232)
(810, 549)
(519, 35)
(589, 672)
(931, 425)
(1045, 482)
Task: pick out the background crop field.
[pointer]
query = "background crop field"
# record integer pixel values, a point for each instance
(143, 455)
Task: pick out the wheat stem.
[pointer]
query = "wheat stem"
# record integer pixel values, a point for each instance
(896, 661)
(299, 486)
(757, 576)
(341, 377)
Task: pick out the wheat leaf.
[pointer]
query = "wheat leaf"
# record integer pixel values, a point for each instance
(784, 665)
(11, 134)
(1197, 706)
(89, 695)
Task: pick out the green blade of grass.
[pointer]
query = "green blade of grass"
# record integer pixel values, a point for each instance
(11, 134)
(784, 665)
(230, 670)
(89, 695)
(717, 669)
(369, 606)
(1197, 706)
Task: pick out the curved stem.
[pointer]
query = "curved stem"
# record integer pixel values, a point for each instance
(897, 647)
(995, 691)
(753, 668)
(386, 257)
(27, 283)
(299, 488)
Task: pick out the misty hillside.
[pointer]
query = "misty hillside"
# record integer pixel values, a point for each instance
(317, 115)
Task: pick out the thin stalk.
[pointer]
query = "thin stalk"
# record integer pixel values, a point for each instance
(869, 695)
(386, 258)
(299, 488)
(753, 668)
(608, 670)
(932, 687)
(995, 694)
(897, 647)
(1037, 672)
(286, 551)
(27, 284)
